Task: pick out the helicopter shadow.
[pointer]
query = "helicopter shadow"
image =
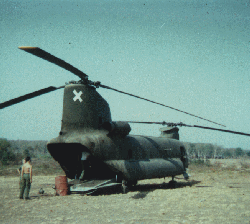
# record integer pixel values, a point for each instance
(144, 189)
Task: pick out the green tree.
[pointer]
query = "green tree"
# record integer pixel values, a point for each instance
(26, 153)
(4, 158)
(4, 144)
(192, 150)
(227, 153)
(29, 151)
(208, 150)
(218, 151)
(6, 154)
(239, 152)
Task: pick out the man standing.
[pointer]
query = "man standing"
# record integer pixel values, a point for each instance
(19, 170)
(26, 180)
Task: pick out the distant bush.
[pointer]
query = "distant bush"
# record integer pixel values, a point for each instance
(200, 162)
(245, 165)
(6, 154)
(44, 156)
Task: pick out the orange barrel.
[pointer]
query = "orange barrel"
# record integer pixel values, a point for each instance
(61, 185)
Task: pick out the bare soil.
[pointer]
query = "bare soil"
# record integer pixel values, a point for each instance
(213, 194)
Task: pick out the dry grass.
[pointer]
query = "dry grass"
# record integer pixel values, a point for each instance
(217, 165)
(216, 193)
(210, 196)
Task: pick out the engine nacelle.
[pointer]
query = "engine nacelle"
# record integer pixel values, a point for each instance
(117, 128)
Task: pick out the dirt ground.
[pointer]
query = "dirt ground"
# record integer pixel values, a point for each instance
(211, 195)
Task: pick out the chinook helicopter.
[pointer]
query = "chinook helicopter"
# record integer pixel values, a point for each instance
(91, 146)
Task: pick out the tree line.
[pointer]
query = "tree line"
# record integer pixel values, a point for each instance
(13, 151)
(210, 151)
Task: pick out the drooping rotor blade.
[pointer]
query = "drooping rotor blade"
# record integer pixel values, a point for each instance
(29, 96)
(216, 129)
(51, 58)
(107, 87)
(192, 126)
(149, 122)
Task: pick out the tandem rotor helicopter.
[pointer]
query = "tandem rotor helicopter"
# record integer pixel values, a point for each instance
(91, 146)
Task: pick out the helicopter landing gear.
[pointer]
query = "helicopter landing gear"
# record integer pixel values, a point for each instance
(172, 183)
(81, 176)
(131, 183)
(124, 187)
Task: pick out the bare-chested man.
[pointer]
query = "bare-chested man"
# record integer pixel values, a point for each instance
(26, 181)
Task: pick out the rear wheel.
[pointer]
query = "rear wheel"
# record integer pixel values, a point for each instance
(172, 184)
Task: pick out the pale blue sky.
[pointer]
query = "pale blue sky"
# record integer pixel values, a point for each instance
(191, 55)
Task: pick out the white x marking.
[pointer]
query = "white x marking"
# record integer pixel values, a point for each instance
(77, 95)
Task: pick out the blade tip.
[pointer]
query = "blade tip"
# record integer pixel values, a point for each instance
(27, 47)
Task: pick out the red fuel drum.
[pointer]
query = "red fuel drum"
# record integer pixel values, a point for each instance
(61, 185)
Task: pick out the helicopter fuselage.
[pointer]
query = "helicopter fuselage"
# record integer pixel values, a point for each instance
(132, 157)
(87, 129)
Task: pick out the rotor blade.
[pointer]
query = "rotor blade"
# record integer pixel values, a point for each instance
(149, 122)
(28, 96)
(192, 126)
(216, 129)
(51, 58)
(107, 87)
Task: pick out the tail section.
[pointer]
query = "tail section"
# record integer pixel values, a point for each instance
(83, 107)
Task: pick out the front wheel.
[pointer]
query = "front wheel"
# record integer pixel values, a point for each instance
(172, 184)
(124, 187)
